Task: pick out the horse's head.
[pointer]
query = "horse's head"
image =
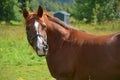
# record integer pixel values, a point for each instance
(36, 31)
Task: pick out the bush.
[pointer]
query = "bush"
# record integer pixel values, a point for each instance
(9, 10)
(97, 10)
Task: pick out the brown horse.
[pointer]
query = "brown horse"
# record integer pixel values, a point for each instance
(73, 54)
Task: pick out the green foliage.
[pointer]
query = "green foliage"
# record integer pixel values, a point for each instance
(97, 10)
(48, 5)
(107, 10)
(9, 10)
(84, 9)
(23, 3)
(51, 6)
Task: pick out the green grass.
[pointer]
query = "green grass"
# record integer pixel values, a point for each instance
(18, 61)
(23, 72)
(99, 29)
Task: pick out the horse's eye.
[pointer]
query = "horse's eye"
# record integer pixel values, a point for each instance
(43, 25)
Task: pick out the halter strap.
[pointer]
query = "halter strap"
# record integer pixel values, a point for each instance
(35, 36)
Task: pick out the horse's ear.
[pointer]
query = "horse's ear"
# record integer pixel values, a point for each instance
(40, 11)
(25, 13)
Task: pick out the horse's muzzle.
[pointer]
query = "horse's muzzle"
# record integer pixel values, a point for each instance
(43, 50)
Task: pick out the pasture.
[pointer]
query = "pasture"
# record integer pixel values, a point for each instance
(18, 61)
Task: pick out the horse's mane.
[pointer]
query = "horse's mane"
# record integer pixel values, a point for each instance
(58, 21)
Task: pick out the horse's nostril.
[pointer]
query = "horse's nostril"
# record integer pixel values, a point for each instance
(45, 47)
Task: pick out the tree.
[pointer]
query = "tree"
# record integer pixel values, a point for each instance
(9, 10)
(97, 10)
(84, 9)
(108, 10)
(23, 3)
(50, 5)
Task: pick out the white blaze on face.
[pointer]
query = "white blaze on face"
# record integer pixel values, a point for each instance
(39, 39)
(36, 24)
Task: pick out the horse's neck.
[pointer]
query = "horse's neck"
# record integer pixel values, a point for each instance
(56, 35)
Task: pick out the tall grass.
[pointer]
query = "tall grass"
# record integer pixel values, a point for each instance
(14, 48)
(97, 29)
(18, 61)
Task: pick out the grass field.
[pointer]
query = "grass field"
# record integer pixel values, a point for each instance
(18, 61)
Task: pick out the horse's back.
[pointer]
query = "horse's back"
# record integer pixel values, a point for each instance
(99, 58)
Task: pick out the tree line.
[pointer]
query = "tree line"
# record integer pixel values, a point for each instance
(97, 10)
(89, 10)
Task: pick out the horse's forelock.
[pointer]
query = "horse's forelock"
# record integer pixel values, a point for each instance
(32, 16)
